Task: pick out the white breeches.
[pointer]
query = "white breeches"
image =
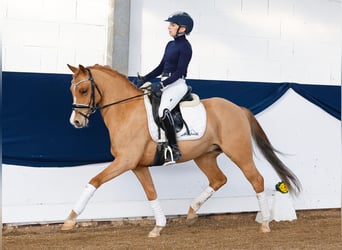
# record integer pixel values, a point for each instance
(172, 94)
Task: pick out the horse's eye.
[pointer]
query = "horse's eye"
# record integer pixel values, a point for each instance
(83, 91)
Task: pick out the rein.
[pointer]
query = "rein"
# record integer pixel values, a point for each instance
(92, 105)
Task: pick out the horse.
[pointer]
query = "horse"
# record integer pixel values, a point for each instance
(230, 130)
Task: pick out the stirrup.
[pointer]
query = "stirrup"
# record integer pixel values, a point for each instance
(168, 161)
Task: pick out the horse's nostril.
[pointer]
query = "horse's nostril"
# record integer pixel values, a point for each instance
(77, 123)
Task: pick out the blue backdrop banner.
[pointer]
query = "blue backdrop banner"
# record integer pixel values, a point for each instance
(36, 110)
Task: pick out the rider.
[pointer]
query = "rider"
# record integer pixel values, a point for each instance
(173, 70)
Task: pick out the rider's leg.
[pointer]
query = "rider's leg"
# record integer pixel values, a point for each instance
(169, 128)
(171, 96)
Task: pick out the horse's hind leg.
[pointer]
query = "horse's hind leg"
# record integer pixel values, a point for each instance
(257, 181)
(207, 163)
(242, 156)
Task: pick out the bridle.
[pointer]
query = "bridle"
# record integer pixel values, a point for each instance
(93, 106)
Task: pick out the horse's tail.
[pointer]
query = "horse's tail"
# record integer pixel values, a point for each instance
(268, 151)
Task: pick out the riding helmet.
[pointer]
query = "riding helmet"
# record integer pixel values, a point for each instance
(182, 19)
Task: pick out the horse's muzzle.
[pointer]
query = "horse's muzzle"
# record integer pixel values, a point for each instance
(78, 121)
(78, 124)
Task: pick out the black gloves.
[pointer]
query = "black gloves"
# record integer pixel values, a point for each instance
(156, 88)
(140, 81)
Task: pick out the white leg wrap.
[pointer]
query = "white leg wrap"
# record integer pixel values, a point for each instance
(262, 200)
(158, 213)
(83, 200)
(203, 197)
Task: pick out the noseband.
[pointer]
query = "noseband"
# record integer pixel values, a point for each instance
(93, 106)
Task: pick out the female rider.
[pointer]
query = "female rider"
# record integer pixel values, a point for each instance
(173, 70)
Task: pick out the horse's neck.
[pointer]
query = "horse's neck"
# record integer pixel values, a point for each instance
(115, 93)
(113, 86)
(115, 90)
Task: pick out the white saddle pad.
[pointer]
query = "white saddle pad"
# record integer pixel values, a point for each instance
(193, 113)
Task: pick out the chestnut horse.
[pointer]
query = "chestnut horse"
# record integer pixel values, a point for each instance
(229, 130)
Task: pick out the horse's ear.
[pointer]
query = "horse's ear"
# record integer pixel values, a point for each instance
(82, 68)
(72, 68)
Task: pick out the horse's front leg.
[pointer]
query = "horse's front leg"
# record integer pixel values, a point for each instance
(116, 168)
(144, 176)
(70, 222)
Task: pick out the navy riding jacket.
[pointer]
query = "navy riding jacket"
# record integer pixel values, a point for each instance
(176, 59)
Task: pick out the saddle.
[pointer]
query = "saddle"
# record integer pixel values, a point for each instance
(163, 154)
(176, 113)
(189, 118)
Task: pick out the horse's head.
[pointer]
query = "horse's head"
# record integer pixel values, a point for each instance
(85, 94)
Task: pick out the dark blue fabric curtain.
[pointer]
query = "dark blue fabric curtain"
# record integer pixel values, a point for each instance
(326, 97)
(36, 128)
(257, 96)
(36, 110)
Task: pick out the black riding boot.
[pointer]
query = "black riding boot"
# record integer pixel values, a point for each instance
(169, 128)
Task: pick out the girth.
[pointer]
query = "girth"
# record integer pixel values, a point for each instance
(176, 113)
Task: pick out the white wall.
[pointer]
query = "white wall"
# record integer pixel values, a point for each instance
(45, 35)
(257, 40)
(252, 40)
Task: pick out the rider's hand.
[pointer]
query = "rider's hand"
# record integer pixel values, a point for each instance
(140, 81)
(156, 88)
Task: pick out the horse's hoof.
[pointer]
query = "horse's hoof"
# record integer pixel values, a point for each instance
(68, 225)
(265, 227)
(192, 216)
(191, 219)
(155, 232)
